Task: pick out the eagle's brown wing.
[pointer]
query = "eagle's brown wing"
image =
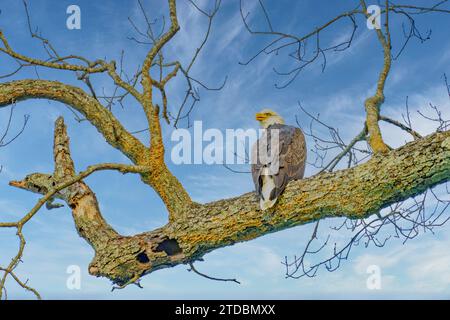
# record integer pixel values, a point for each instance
(292, 158)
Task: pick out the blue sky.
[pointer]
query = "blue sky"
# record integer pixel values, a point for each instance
(418, 269)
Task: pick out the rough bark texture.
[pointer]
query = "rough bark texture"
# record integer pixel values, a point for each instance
(160, 178)
(193, 229)
(355, 193)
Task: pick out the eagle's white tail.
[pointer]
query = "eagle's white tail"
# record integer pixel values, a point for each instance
(267, 187)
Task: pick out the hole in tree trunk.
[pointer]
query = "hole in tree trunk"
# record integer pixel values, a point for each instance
(142, 258)
(169, 246)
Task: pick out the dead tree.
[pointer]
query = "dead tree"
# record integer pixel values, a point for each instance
(194, 229)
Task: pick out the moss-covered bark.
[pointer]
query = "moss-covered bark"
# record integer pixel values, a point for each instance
(354, 193)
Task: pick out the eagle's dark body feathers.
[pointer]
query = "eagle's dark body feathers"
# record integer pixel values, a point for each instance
(292, 159)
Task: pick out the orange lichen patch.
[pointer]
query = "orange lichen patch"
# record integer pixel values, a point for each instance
(375, 139)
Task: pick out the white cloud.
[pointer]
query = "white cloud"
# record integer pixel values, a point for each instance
(436, 95)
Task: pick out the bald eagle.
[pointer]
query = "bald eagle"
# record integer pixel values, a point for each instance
(276, 163)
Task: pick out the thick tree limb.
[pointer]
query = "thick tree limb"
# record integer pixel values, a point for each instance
(354, 193)
(105, 122)
(160, 178)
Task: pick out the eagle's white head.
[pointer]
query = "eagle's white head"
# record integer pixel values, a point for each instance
(267, 117)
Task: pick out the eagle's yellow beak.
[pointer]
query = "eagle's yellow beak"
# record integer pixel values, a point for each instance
(260, 116)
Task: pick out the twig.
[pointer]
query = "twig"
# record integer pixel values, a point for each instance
(208, 277)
